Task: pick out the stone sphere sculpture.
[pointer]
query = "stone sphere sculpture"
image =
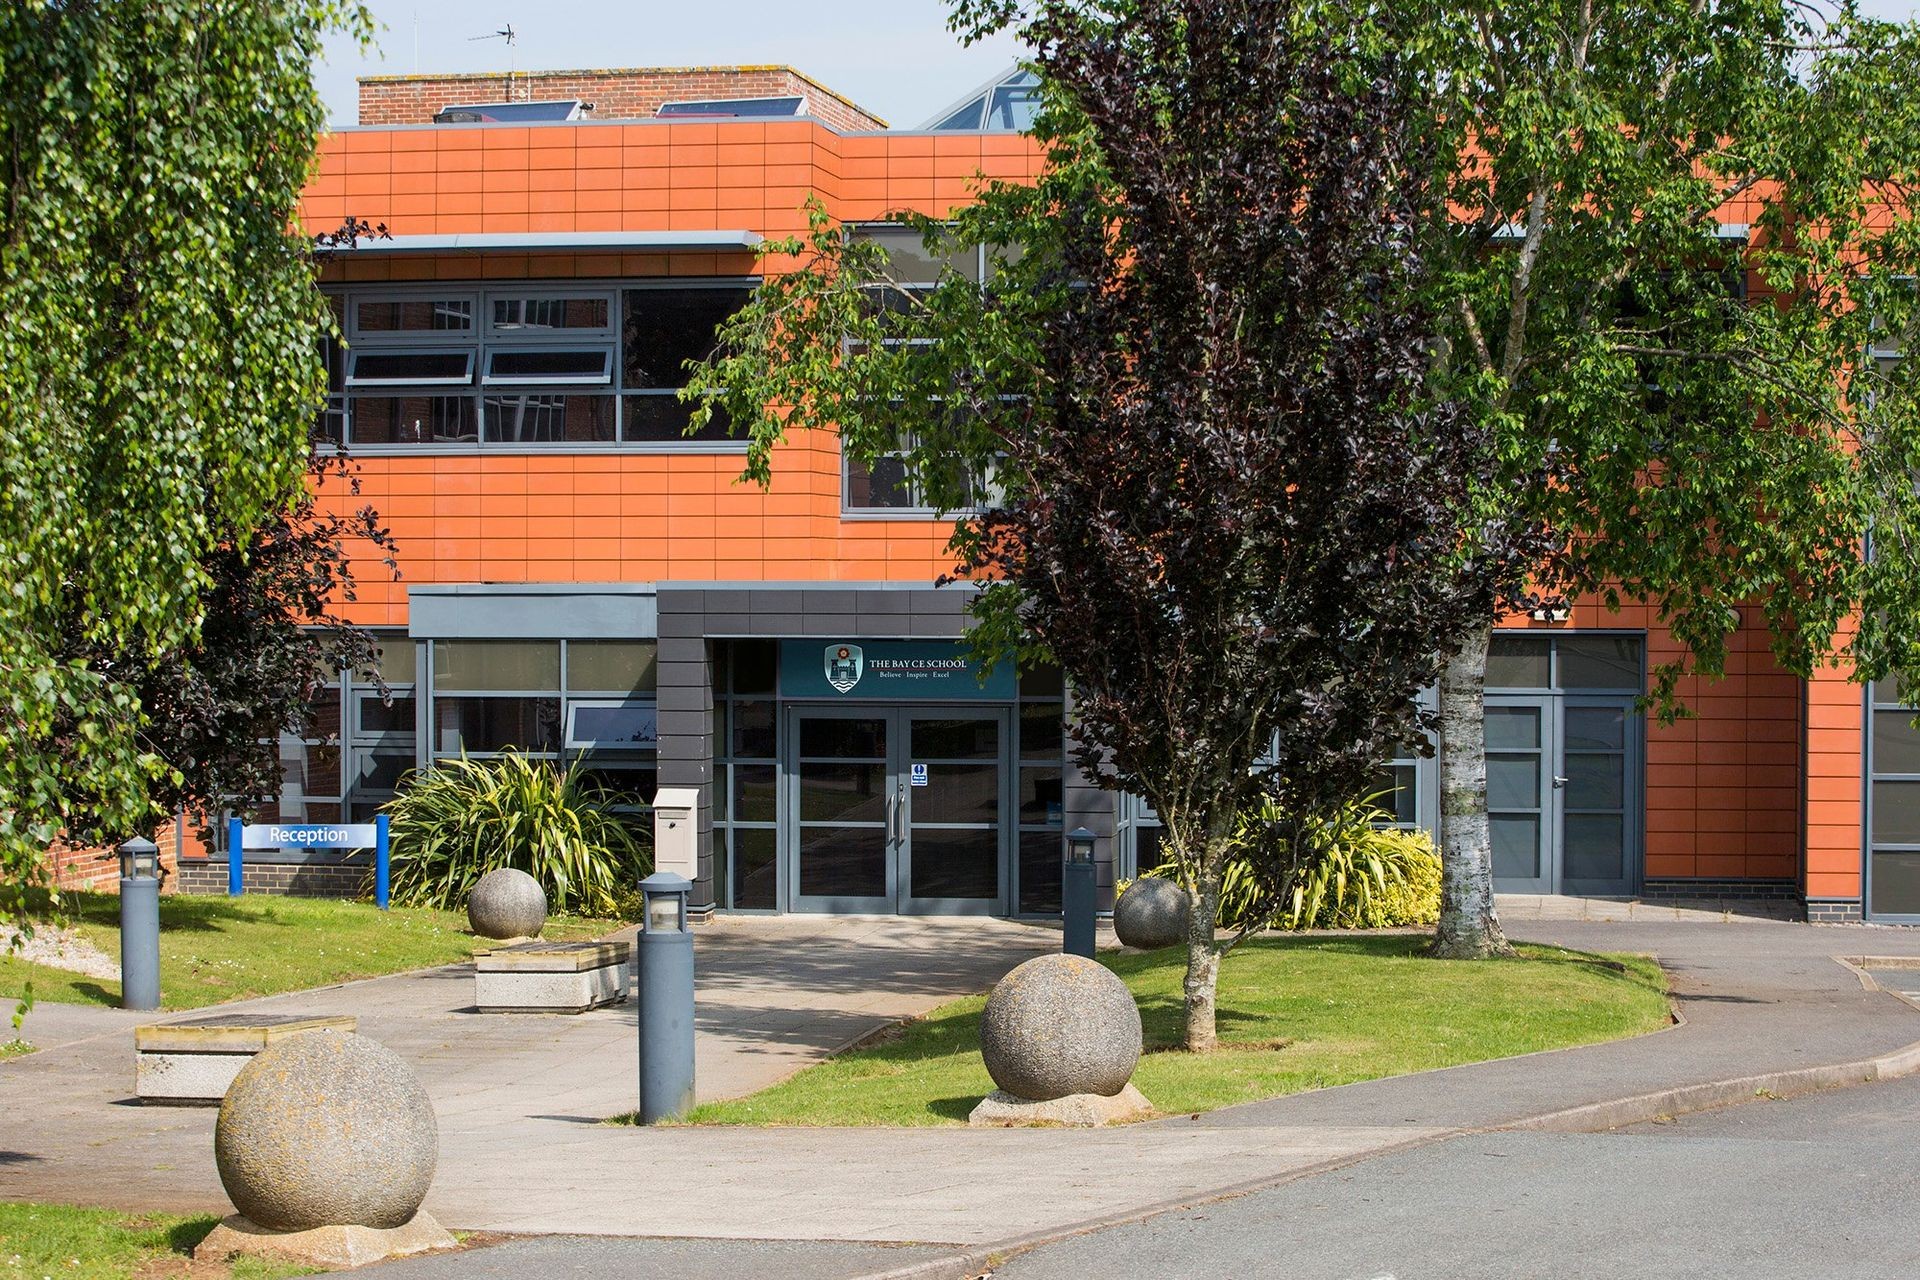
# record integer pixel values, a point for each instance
(1151, 914)
(507, 903)
(324, 1129)
(1060, 1025)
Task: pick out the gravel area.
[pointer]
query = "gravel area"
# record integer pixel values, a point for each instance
(59, 948)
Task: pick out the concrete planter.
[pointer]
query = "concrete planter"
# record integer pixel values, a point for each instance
(551, 977)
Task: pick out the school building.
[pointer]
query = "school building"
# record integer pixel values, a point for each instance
(583, 582)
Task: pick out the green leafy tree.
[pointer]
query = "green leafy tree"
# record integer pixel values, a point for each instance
(1668, 235)
(158, 374)
(1185, 424)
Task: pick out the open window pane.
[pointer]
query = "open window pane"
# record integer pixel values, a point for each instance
(627, 725)
(570, 365)
(410, 368)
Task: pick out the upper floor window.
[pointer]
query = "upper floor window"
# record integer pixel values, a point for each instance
(527, 365)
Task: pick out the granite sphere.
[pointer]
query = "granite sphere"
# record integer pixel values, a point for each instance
(1151, 914)
(1060, 1025)
(326, 1129)
(507, 903)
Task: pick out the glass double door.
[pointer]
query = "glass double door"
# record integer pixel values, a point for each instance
(1563, 793)
(897, 809)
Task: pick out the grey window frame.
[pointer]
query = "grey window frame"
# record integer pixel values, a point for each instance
(485, 338)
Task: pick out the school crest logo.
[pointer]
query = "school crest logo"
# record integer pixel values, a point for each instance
(844, 666)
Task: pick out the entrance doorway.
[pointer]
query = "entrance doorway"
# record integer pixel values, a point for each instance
(898, 809)
(1562, 793)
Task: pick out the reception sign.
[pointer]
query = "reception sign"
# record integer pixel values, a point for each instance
(890, 671)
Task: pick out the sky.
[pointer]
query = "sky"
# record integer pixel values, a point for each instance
(896, 58)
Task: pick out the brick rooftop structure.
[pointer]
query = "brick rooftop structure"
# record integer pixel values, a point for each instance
(623, 93)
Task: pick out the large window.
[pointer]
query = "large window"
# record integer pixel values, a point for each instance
(558, 364)
(584, 702)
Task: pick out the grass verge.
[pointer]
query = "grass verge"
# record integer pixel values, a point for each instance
(214, 949)
(100, 1244)
(1295, 1014)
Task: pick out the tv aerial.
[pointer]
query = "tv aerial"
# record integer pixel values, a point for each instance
(506, 32)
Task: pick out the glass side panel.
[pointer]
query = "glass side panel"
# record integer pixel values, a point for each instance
(753, 724)
(385, 717)
(753, 663)
(1516, 662)
(1040, 797)
(611, 666)
(754, 864)
(1040, 870)
(1401, 785)
(507, 665)
(753, 793)
(1146, 845)
(1042, 730)
(495, 724)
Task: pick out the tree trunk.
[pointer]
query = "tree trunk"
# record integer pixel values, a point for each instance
(1203, 962)
(1469, 928)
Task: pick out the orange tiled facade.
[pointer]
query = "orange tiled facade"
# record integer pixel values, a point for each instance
(1759, 793)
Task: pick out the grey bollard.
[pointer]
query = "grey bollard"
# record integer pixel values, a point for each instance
(1077, 895)
(663, 960)
(139, 925)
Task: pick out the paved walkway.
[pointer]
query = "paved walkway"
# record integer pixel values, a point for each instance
(1756, 996)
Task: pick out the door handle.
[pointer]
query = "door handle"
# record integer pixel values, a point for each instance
(1559, 782)
(900, 811)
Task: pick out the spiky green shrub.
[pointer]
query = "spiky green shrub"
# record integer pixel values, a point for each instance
(1342, 871)
(463, 818)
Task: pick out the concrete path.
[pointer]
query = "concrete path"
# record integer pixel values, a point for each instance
(1757, 996)
(774, 995)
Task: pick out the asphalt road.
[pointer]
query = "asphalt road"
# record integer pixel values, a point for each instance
(1821, 1186)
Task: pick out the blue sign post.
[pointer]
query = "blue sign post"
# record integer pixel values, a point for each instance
(309, 835)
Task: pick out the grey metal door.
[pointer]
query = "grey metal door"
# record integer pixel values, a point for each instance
(1520, 792)
(897, 808)
(1563, 793)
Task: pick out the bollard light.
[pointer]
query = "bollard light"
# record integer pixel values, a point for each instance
(139, 925)
(139, 860)
(1080, 845)
(663, 960)
(1077, 894)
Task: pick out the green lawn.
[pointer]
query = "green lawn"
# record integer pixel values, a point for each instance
(49, 1240)
(1295, 1014)
(214, 949)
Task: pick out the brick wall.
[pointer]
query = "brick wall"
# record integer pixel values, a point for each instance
(348, 879)
(77, 867)
(627, 93)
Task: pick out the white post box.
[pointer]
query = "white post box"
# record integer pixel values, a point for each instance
(675, 847)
